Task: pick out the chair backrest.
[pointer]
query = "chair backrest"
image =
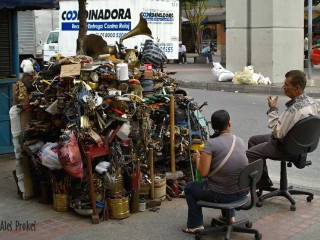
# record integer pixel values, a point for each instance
(249, 176)
(252, 171)
(303, 137)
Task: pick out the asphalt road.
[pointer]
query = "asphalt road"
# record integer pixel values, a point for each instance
(248, 117)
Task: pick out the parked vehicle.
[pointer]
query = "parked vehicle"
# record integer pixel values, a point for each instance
(106, 19)
(51, 46)
(33, 29)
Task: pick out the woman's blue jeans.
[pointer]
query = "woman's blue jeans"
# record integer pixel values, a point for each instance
(195, 191)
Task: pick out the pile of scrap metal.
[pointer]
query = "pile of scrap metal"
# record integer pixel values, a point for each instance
(76, 108)
(88, 126)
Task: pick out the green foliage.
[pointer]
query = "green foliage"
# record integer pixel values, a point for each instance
(314, 2)
(195, 12)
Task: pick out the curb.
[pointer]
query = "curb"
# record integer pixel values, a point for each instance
(230, 87)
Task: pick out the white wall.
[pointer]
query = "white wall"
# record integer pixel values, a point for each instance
(276, 36)
(236, 35)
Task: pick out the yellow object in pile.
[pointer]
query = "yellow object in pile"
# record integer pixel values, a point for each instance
(197, 147)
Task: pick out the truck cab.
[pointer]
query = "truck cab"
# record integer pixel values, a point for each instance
(51, 46)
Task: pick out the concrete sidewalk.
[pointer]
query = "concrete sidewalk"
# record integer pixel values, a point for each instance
(274, 219)
(199, 76)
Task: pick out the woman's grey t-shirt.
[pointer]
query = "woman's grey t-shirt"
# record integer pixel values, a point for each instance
(226, 179)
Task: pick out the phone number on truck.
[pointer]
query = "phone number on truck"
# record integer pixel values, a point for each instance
(111, 34)
(167, 49)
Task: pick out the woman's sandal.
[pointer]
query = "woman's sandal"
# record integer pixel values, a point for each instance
(224, 219)
(192, 230)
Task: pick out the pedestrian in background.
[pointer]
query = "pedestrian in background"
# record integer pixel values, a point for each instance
(206, 52)
(306, 46)
(182, 54)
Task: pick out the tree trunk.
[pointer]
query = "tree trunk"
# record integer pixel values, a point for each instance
(83, 25)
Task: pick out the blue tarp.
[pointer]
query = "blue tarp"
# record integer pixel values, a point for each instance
(28, 4)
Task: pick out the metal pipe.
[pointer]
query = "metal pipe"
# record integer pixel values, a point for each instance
(310, 81)
(151, 173)
(249, 32)
(172, 140)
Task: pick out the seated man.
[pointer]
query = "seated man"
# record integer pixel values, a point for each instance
(299, 107)
(182, 53)
(206, 52)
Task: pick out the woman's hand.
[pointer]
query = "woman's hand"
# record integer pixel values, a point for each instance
(195, 156)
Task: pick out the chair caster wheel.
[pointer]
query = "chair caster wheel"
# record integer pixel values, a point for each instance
(259, 203)
(258, 236)
(249, 225)
(292, 207)
(309, 198)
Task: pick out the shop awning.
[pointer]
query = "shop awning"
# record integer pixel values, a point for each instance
(215, 15)
(212, 15)
(184, 20)
(28, 4)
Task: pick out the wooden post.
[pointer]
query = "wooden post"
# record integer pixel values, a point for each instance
(151, 172)
(153, 202)
(172, 140)
(95, 216)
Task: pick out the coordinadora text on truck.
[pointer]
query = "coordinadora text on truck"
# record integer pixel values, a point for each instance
(106, 19)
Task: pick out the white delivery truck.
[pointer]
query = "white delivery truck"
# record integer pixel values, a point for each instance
(33, 29)
(112, 19)
(51, 46)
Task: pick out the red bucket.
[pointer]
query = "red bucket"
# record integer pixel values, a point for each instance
(315, 56)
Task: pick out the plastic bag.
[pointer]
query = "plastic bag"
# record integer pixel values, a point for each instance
(49, 156)
(244, 77)
(220, 74)
(226, 76)
(69, 155)
(27, 66)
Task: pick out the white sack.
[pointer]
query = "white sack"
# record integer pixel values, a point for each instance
(220, 74)
(27, 66)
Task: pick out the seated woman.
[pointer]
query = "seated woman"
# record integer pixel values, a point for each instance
(222, 185)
